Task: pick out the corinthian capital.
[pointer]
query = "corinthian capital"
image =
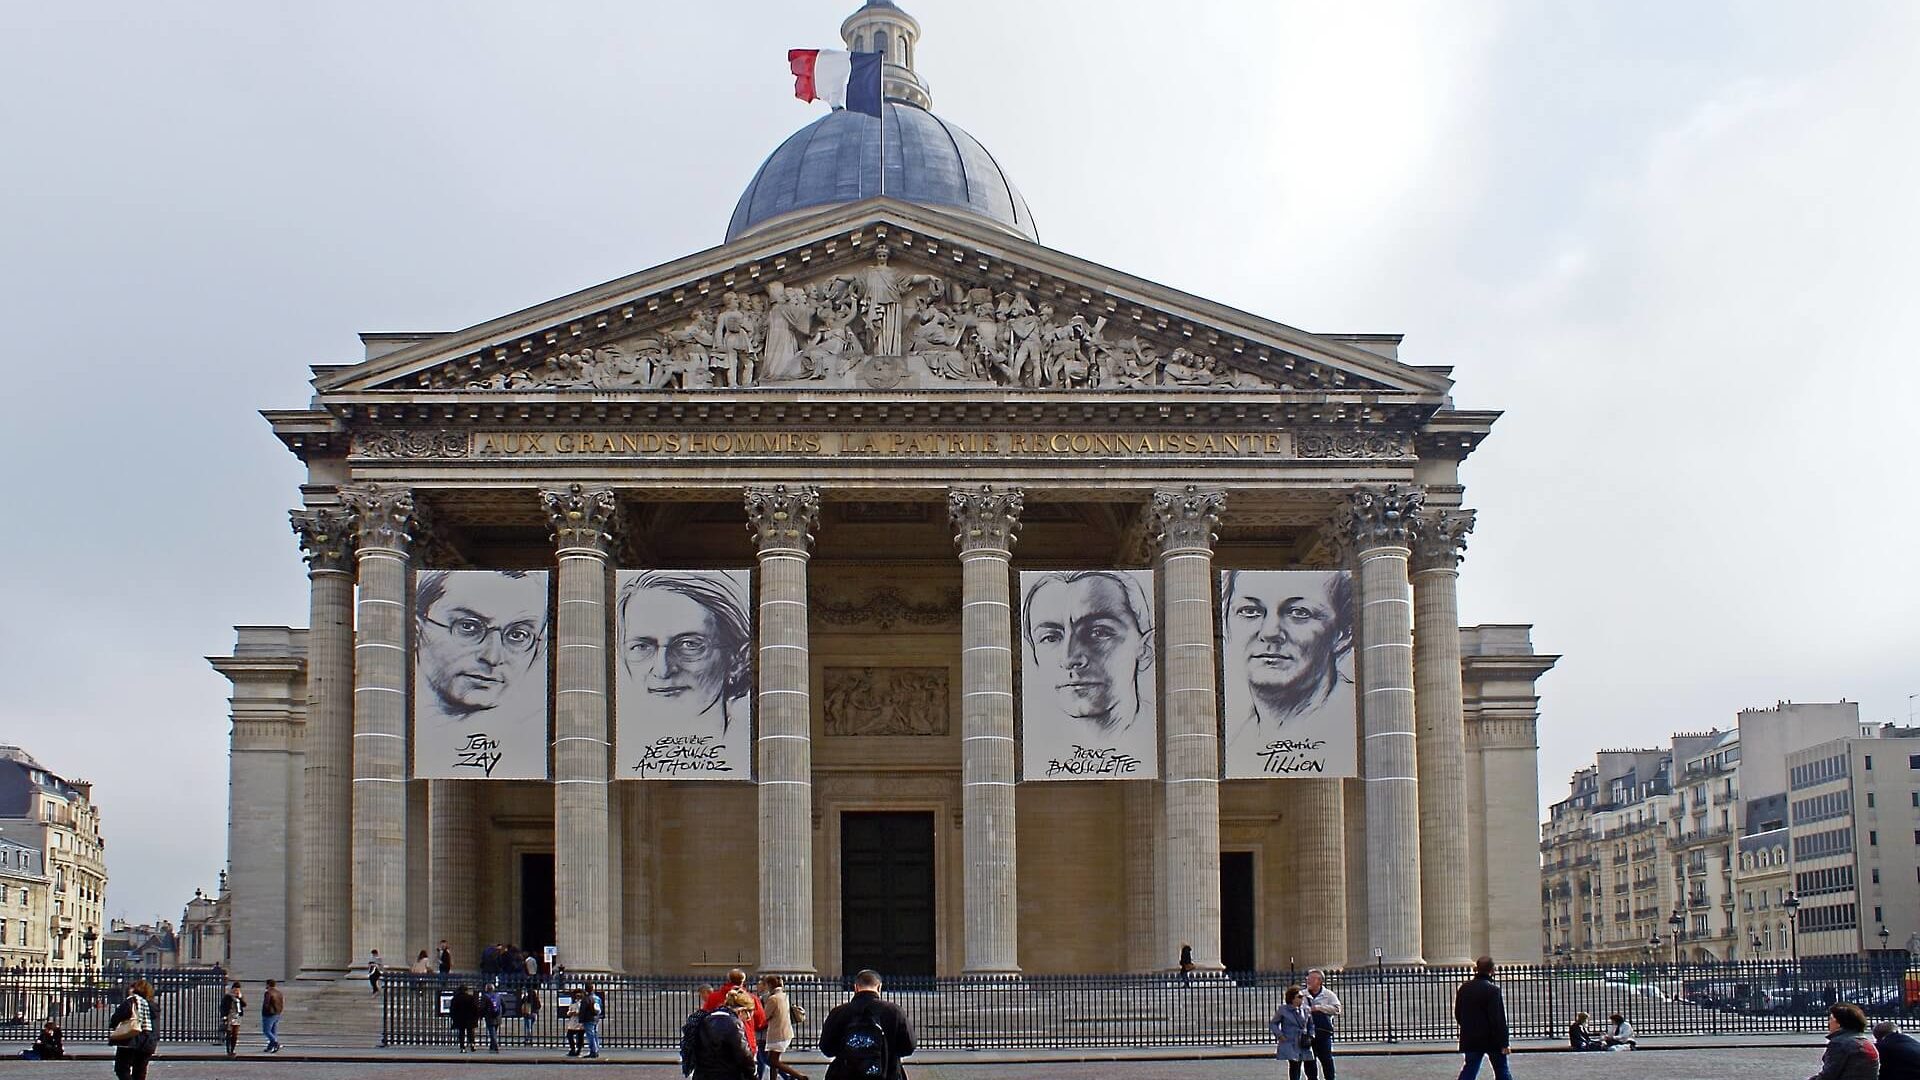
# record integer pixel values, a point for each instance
(1187, 518)
(582, 517)
(985, 520)
(326, 537)
(783, 517)
(385, 516)
(1380, 517)
(1440, 538)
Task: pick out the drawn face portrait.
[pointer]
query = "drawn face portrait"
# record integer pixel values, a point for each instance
(1088, 646)
(478, 634)
(1285, 631)
(674, 651)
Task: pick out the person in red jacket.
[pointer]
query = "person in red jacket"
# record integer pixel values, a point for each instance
(737, 980)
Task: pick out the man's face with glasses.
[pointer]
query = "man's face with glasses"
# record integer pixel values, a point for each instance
(479, 636)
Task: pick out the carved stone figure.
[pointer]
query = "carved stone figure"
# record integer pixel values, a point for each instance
(885, 701)
(733, 342)
(882, 291)
(789, 329)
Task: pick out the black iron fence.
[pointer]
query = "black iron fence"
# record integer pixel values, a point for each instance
(1384, 1004)
(186, 1001)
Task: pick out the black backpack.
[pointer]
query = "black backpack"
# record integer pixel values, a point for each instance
(864, 1047)
(695, 1032)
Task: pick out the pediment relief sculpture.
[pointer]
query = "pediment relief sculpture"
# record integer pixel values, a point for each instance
(880, 327)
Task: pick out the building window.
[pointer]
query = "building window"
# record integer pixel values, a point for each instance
(1870, 800)
(1873, 837)
(1869, 762)
(1877, 916)
(1913, 761)
(1876, 875)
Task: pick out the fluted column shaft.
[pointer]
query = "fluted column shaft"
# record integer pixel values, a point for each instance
(1185, 523)
(385, 519)
(782, 521)
(452, 878)
(1317, 867)
(326, 827)
(1141, 803)
(1446, 905)
(986, 524)
(582, 521)
(1381, 519)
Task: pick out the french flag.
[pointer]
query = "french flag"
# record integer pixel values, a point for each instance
(844, 80)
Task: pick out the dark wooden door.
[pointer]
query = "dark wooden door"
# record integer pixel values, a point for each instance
(886, 893)
(1236, 910)
(536, 902)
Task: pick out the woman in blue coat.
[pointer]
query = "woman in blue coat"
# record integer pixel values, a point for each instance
(1292, 1028)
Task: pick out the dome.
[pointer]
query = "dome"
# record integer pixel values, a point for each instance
(836, 159)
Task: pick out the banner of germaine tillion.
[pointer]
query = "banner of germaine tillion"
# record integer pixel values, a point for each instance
(1286, 647)
(683, 675)
(480, 674)
(1087, 675)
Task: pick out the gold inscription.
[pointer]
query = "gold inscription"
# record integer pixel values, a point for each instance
(882, 444)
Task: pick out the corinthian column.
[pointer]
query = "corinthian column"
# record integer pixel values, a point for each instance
(985, 524)
(1440, 744)
(582, 520)
(1184, 524)
(782, 521)
(1380, 522)
(326, 829)
(386, 522)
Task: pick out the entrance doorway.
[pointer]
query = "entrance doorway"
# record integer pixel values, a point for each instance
(1236, 910)
(886, 893)
(536, 901)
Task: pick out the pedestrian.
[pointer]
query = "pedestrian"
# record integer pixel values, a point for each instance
(590, 1019)
(529, 1014)
(446, 963)
(374, 970)
(576, 1031)
(493, 1011)
(1186, 964)
(531, 965)
(1579, 1039)
(1619, 1034)
(1851, 1053)
(867, 1035)
(1899, 1052)
(421, 965)
(1324, 1005)
(713, 1044)
(272, 1004)
(233, 1005)
(1481, 1011)
(132, 1052)
(717, 999)
(1292, 1028)
(464, 1013)
(781, 1014)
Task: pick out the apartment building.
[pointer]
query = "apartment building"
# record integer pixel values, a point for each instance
(56, 816)
(1854, 829)
(23, 906)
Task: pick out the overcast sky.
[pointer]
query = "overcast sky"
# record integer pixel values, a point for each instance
(1675, 242)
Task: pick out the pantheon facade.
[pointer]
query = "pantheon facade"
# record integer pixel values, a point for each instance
(856, 428)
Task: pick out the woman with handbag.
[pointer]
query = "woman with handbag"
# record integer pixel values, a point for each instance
(133, 1035)
(1292, 1028)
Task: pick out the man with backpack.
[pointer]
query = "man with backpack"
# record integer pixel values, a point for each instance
(866, 1037)
(713, 1042)
(491, 1011)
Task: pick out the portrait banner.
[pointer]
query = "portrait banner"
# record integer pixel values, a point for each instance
(1088, 683)
(683, 675)
(480, 674)
(1286, 649)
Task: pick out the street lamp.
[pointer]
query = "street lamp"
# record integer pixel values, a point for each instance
(1792, 904)
(1883, 938)
(1678, 922)
(91, 936)
(1652, 944)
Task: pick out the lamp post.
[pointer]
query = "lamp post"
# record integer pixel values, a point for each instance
(1792, 904)
(86, 956)
(1678, 922)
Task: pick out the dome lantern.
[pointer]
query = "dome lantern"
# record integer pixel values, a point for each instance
(881, 27)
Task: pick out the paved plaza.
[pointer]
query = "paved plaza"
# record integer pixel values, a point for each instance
(1749, 1063)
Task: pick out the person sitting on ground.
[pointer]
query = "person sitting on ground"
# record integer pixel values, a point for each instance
(1619, 1034)
(1851, 1054)
(1899, 1052)
(49, 1046)
(1578, 1035)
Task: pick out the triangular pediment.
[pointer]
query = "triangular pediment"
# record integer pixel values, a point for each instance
(875, 297)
